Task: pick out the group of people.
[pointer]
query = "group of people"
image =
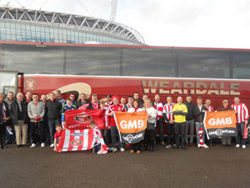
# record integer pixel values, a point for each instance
(39, 121)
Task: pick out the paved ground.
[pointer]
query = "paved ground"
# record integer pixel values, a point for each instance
(222, 167)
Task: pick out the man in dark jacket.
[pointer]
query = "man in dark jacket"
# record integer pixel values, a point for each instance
(9, 124)
(190, 119)
(4, 117)
(20, 118)
(226, 140)
(53, 111)
(199, 113)
(84, 101)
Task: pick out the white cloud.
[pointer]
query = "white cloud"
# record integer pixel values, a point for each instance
(199, 23)
(206, 23)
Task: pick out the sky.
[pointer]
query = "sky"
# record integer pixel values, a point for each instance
(189, 23)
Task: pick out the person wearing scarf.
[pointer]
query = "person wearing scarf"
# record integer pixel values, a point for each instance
(4, 117)
(19, 114)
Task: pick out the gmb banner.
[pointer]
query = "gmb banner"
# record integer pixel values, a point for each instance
(219, 124)
(80, 119)
(131, 126)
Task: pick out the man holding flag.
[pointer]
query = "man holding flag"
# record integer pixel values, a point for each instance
(116, 107)
(226, 140)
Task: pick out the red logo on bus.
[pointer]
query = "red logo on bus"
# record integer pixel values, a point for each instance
(30, 84)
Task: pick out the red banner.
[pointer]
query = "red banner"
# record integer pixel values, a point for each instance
(81, 140)
(80, 119)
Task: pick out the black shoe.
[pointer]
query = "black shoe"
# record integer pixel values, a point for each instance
(18, 146)
(183, 147)
(4, 147)
(175, 147)
(149, 147)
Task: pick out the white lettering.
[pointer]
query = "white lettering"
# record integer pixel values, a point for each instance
(131, 124)
(222, 121)
(229, 121)
(123, 124)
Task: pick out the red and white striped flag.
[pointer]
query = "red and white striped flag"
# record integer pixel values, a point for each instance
(80, 140)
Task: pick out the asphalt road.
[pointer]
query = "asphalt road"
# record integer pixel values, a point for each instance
(222, 167)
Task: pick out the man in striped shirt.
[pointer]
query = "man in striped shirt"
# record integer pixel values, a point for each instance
(158, 105)
(130, 102)
(241, 119)
(109, 102)
(208, 105)
(169, 119)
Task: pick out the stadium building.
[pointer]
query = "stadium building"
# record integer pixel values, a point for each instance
(19, 24)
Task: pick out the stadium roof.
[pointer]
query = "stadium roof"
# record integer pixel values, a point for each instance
(84, 23)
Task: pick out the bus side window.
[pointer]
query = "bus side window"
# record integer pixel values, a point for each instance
(241, 65)
(203, 64)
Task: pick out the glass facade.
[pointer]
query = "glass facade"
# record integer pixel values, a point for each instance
(32, 32)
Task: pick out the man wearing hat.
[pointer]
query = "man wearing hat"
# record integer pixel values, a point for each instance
(116, 107)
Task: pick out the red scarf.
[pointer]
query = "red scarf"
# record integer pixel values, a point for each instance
(95, 105)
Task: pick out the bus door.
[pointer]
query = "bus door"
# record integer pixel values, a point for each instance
(11, 81)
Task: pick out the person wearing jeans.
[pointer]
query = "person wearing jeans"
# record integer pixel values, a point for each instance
(10, 138)
(241, 119)
(190, 120)
(53, 111)
(199, 112)
(180, 111)
(36, 112)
